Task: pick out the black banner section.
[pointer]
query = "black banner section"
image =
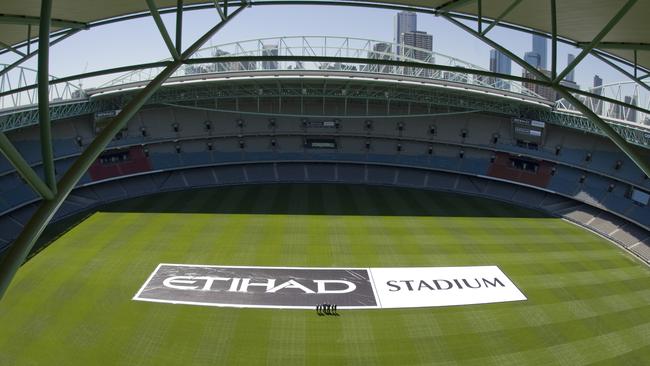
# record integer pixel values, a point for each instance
(275, 287)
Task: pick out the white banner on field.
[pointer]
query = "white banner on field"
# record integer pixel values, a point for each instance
(442, 286)
(304, 287)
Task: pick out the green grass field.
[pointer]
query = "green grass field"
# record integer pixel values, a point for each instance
(588, 301)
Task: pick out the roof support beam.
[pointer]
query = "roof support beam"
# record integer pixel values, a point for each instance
(505, 13)
(479, 5)
(43, 76)
(619, 46)
(407, 64)
(162, 29)
(34, 53)
(23, 168)
(518, 28)
(617, 139)
(452, 5)
(179, 26)
(594, 43)
(19, 53)
(553, 40)
(397, 7)
(621, 70)
(33, 229)
(379, 62)
(567, 93)
(90, 75)
(27, 20)
(219, 10)
(29, 38)
(538, 74)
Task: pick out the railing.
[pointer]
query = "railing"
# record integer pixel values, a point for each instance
(19, 78)
(628, 92)
(23, 80)
(324, 46)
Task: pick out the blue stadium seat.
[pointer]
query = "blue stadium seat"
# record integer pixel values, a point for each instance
(19, 195)
(164, 160)
(195, 158)
(65, 147)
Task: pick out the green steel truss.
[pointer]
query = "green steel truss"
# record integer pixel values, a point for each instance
(431, 97)
(35, 226)
(55, 193)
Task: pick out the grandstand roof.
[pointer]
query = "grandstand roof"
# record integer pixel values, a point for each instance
(577, 20)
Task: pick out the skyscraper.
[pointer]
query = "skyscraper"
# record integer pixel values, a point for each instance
(381, 51)
(631, 114)
(537, 57)
(421, 40)
(540, 48)
(533, 59)
(270, 50)
(598, 82)
(597, 89)
(569, 80)
(571, 75)
(405, 21)
(418, 39)
(501, 64)
(544, 91)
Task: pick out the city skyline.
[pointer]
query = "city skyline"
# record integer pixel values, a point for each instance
(138, 41)
(501, 64)
(405, 21)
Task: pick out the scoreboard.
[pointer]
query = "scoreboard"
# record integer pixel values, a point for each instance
(528, 131)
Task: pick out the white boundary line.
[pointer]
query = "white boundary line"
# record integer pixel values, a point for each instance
(268, 267)
(245, 306)
(611, 241)
(137, 295)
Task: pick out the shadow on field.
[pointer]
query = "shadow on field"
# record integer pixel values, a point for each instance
(321, 199)
(303, 199)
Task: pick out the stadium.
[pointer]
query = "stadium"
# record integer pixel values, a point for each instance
(327, 199)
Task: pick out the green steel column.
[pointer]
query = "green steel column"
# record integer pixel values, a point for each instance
(33, 229)
(29, 39)
(480, 16)
(585, 51)
(638, 80)
(163, 30)
(518, 60)
(23, 168)
(605, 127)
(45, 127)
(33, 53)
(179, 26)
(498, 19)
(553, 40)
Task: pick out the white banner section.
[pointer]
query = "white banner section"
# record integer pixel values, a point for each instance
(442, 286)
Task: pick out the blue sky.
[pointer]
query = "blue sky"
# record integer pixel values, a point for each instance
(138, 41)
